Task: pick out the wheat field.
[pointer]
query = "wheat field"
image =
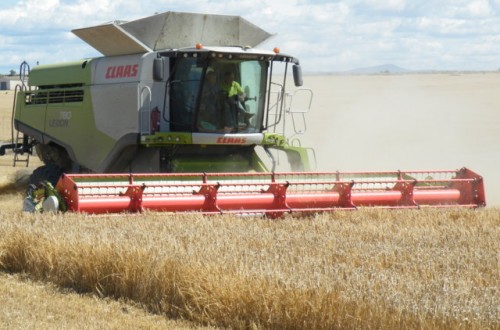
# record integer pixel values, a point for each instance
(366, 269)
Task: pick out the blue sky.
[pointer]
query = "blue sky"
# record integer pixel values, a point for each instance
(335, 35)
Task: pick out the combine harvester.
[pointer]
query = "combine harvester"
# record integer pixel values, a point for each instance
(176, 118)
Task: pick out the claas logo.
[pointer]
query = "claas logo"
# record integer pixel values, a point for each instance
(232, 140)
(122, 71)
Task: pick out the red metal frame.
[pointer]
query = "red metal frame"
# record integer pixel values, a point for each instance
(272, 194)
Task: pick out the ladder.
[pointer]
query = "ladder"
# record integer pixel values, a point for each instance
(22, 145)
(22, 150)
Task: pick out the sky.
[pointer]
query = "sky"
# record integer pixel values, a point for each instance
(326, 35)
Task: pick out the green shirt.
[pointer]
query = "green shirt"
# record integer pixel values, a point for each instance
(233, 89)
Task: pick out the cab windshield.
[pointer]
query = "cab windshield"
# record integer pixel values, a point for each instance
(220, 96)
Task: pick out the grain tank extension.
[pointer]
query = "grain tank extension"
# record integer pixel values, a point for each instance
(183, 113)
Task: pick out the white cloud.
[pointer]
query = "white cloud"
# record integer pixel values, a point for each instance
(472, 9)
(325, 35)
(370, 29)
(386, 5)
(440, 25)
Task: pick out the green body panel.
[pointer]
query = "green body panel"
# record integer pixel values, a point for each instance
(68, 123)
(159, 139)
(59, 74)
(233, 163)
(78, 131)
(298, 157)
(32, 115)
(274, 139)
(298, 160)
(219, 164)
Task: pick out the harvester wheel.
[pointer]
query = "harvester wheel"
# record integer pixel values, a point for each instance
(48, 172)
(53, 154)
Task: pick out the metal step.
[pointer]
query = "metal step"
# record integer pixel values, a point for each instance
(22, 151)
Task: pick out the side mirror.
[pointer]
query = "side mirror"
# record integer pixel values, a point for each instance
(297, 75)
(158, 69)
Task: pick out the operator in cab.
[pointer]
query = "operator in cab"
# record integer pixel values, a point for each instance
(231, 87)
(233, 107)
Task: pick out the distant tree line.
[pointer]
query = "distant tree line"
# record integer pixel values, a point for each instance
(11, 73)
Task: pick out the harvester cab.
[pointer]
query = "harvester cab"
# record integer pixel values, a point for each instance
(174, 117)
(221, 102)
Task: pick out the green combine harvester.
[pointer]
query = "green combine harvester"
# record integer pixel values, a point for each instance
(183, 114)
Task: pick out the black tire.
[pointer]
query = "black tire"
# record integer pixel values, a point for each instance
(48, 172)
(53, 154)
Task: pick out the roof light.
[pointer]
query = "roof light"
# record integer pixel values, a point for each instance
(276, 50)
(199, 46)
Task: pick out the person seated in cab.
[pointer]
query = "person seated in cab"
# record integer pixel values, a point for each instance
(210, 117)
(233, 108)
(232, 88)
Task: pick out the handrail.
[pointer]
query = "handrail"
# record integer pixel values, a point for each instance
(141, 111)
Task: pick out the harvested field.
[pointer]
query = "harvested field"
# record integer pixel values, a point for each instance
(6, 99)
(28, 304)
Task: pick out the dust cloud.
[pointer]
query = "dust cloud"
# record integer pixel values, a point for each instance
(407, 122)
